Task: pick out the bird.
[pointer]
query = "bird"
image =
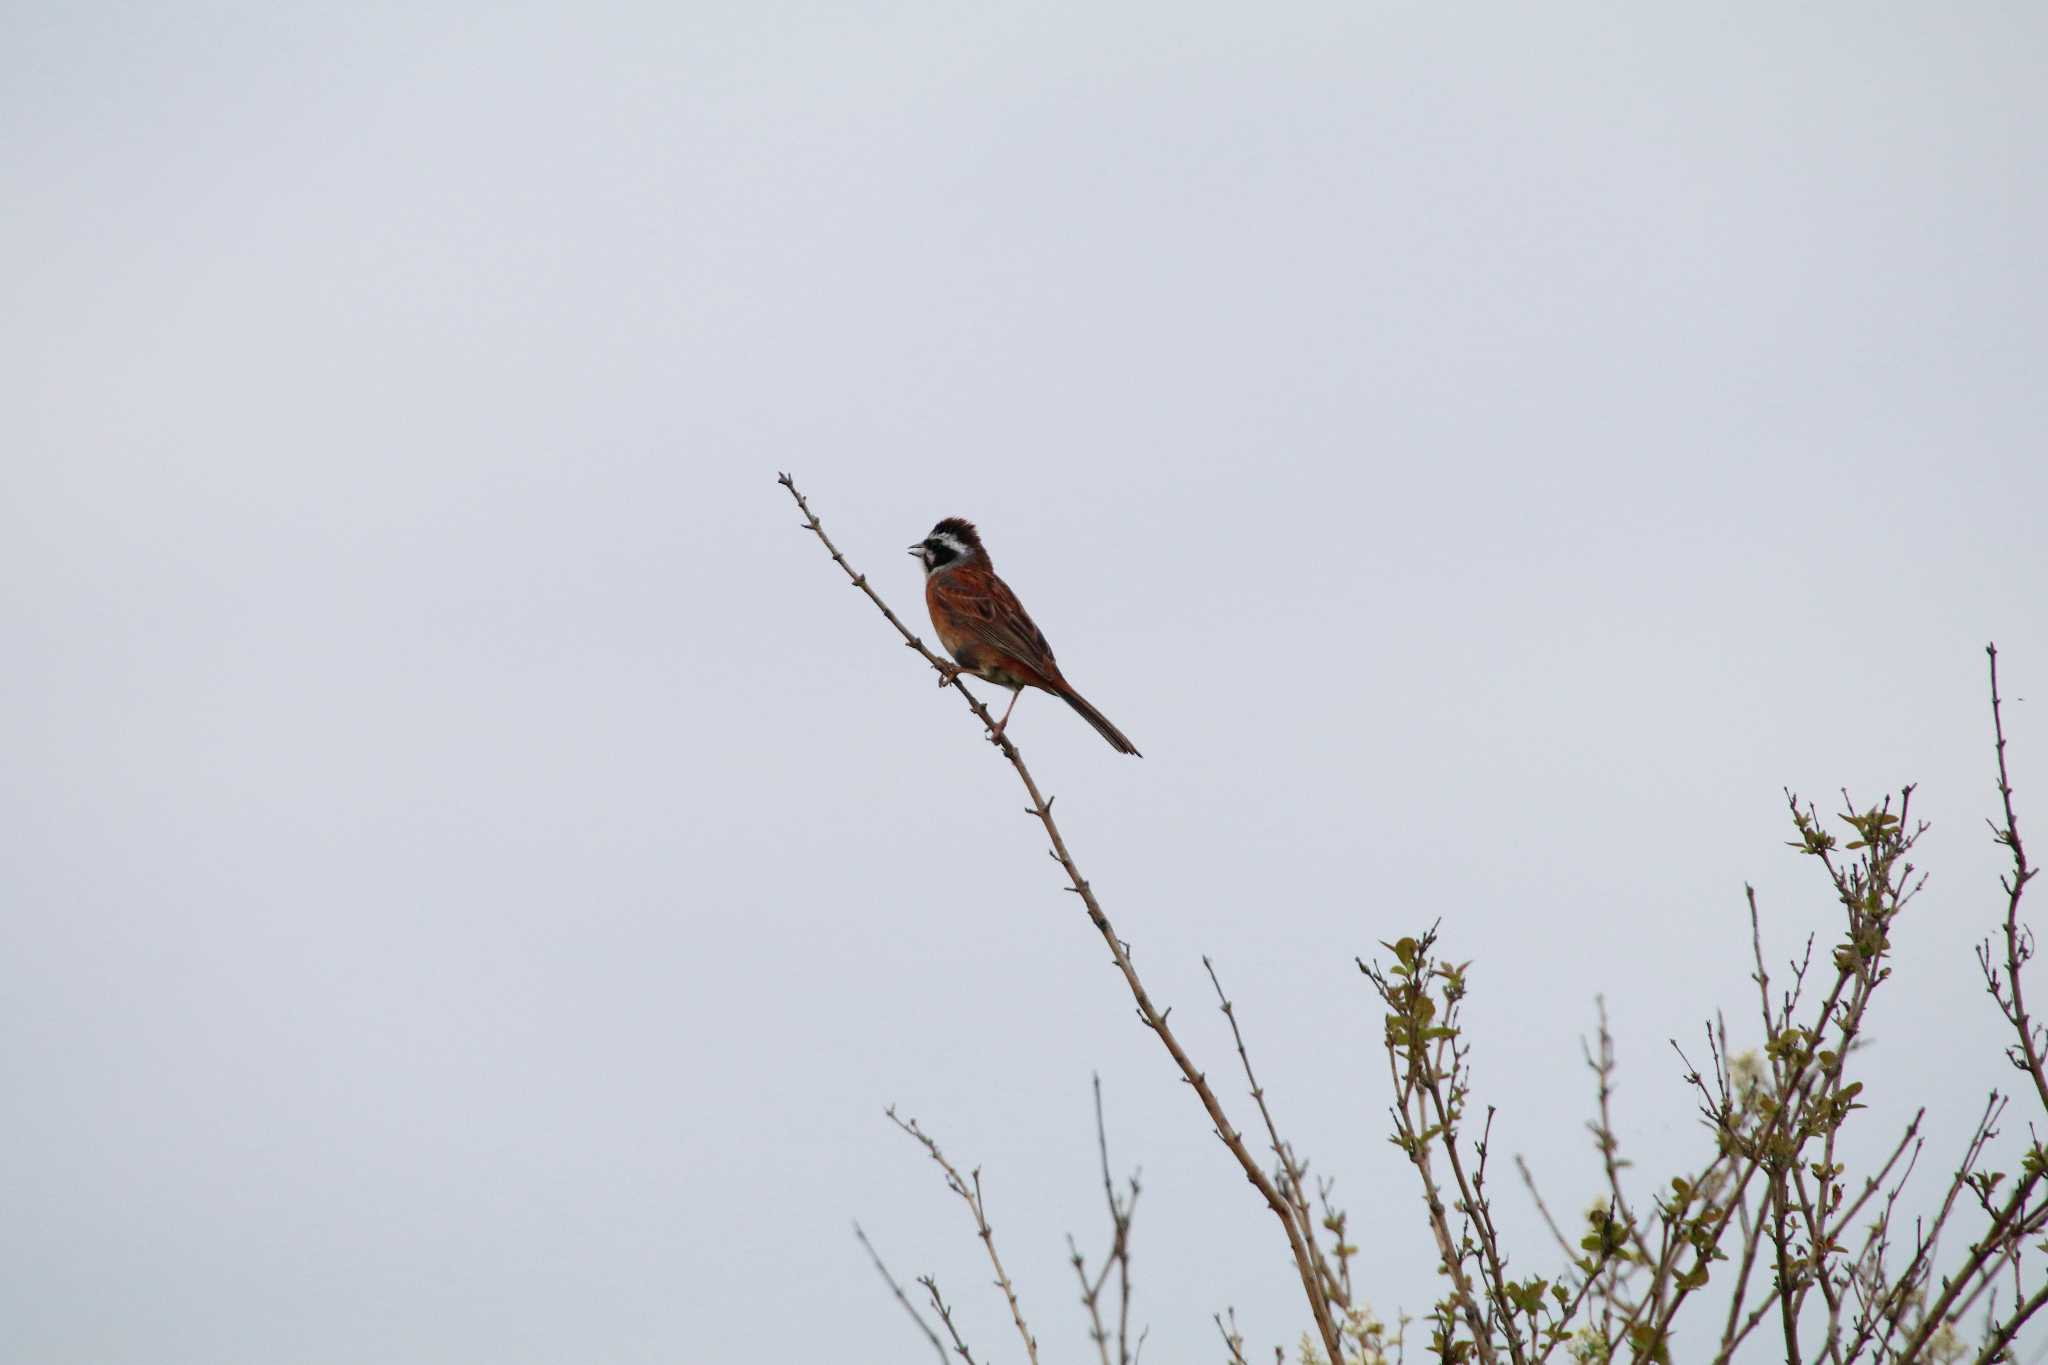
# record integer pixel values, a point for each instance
(986, 629)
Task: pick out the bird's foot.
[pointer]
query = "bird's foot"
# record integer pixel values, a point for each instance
(947, 673)
(995, 731)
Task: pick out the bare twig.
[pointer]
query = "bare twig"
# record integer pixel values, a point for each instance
(1603, 1067)
(2002, 1333)
(1120, 1246)
(1091, 1297)
(1529, 1183)
(901, 1297)
(972, 1198)
(931, 1287)
(1233, 1340)
(1117, 1259)
(2019, 945)
(1293, 1173)
(1153, 1017)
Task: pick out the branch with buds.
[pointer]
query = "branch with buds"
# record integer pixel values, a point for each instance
(1149, 1014)
(1803, 1248)
(1820, 1261)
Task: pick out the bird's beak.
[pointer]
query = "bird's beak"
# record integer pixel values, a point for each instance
(917, 550)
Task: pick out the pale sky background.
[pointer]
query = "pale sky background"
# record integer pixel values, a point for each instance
(475, 874)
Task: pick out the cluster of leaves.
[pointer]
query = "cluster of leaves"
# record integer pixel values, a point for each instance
(1804, 1250)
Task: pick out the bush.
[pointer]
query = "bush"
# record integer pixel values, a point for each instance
(1770, 1238)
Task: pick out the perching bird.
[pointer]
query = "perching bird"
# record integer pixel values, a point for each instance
(984, 627)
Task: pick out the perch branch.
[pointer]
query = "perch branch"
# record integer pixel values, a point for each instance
(1153, 1017)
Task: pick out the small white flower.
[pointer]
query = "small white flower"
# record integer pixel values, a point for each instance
(1587, 1348)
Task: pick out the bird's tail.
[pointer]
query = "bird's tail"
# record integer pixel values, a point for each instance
(1116, 738)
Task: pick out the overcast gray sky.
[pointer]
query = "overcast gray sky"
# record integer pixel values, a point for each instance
(475, 874)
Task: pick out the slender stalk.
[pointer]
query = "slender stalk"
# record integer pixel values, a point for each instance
(2018, 945)
(972, 1198)
(1153, 1017)
(901, 1297)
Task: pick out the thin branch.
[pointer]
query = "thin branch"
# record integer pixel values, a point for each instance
(1293, 1175)
(972, 1198)
(2002, 1335)
(1153, 1017)
(1233, 1340)
(901, 1297)
(2018, 946)
(1120, 1243)
(1418, 1042)
(931, 1287)
(1556, 1233)
(1117, 1259)
(1091, 1298)
(1908, 1139)
(1873, 898)
(1902, 1295)
(1603, 1067)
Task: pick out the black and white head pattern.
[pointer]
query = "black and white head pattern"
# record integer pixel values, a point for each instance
(951, 542)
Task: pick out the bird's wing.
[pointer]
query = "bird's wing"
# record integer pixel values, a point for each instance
(982, 607)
